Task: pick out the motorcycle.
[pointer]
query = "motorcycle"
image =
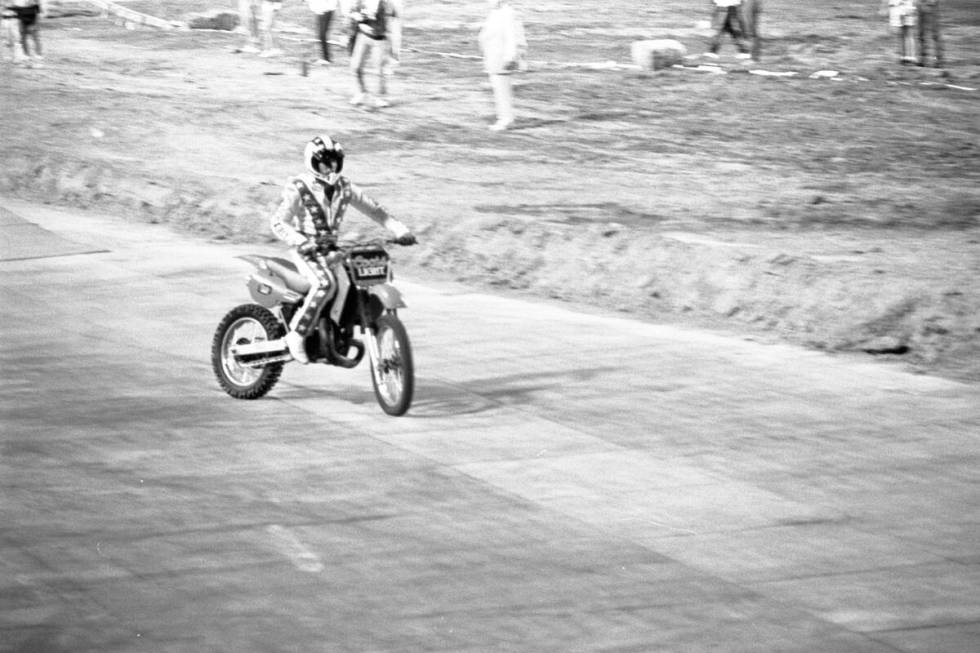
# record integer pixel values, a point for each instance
(248, 351)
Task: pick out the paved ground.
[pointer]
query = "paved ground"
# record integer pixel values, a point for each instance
(565, 482)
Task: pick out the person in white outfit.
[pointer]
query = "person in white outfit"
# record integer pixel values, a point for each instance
(504, 47)
(270, 12)
(308, 219)
(249, 12)
(902, 16)
(370, 46)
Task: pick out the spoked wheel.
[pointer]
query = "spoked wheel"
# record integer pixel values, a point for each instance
(393, 374)
(243, 325)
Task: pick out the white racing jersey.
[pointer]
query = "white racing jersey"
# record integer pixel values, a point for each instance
(294, 224)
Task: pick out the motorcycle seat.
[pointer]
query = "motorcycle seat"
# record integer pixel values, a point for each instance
(288, 272)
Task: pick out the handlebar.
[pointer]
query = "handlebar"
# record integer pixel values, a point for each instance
(341, 244)
(329, 244)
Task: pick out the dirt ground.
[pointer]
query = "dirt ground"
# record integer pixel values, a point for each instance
(840, 213)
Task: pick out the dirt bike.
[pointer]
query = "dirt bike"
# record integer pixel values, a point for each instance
(248, 351)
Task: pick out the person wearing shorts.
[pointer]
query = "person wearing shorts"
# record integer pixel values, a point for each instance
(726, 18)
(902, 17)
(29, 13)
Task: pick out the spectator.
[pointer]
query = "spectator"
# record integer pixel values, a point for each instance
(248, 14)
(270, 11)
(504, 47)
(751, 15)
(901, 15)
(928, 19)
(29, 13)
(726, 18)
(393, 53)
(10, 33)
(324, 11)
(369, 46)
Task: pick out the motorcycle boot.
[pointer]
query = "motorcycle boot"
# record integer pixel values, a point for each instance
(296, 342)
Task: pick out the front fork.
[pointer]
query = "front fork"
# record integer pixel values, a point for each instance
(369, 332)
(374, 353)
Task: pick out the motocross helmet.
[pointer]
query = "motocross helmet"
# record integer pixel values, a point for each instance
(324, 150)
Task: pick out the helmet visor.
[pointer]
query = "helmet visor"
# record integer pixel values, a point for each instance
(328, 162)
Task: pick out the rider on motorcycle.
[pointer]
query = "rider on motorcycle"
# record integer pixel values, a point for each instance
(310, 213)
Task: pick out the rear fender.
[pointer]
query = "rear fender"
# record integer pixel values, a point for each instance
(269, 290)
(255, 259)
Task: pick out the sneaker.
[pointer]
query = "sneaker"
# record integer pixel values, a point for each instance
(358, 99)
(323, 62)
(249, 49)
(296, 343)
(501, 125)
(381, 103)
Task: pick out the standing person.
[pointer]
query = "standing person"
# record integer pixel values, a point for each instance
(249, 12)
(29, 13)
(270, 11)
(10, 32)
(901, 15)
(369, 46)
(311, 211)
(392, 57)
(726, 18)
(504, 47)
(751, 15)
(324, 11)
(928, 19)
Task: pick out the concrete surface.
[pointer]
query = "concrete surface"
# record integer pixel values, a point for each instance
(564, 482)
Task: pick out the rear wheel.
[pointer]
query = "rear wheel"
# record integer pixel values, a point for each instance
(393, 374)
(243, 325)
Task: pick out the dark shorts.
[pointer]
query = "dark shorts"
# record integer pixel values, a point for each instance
(27, 15)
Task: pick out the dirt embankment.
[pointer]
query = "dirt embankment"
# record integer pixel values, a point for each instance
(894, 300)
(851, 225)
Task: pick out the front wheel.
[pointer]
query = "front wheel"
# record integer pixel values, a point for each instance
(393, 373)
(244, 325)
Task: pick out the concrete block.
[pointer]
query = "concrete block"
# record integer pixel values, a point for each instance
(656, 54)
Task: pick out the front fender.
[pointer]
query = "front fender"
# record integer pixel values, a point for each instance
(389, 296)
(381, 298)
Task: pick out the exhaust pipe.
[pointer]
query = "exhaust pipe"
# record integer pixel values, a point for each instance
(259, 347)
(261, 362)
(262, 352)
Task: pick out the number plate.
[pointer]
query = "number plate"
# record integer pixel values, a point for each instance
(368, 267)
